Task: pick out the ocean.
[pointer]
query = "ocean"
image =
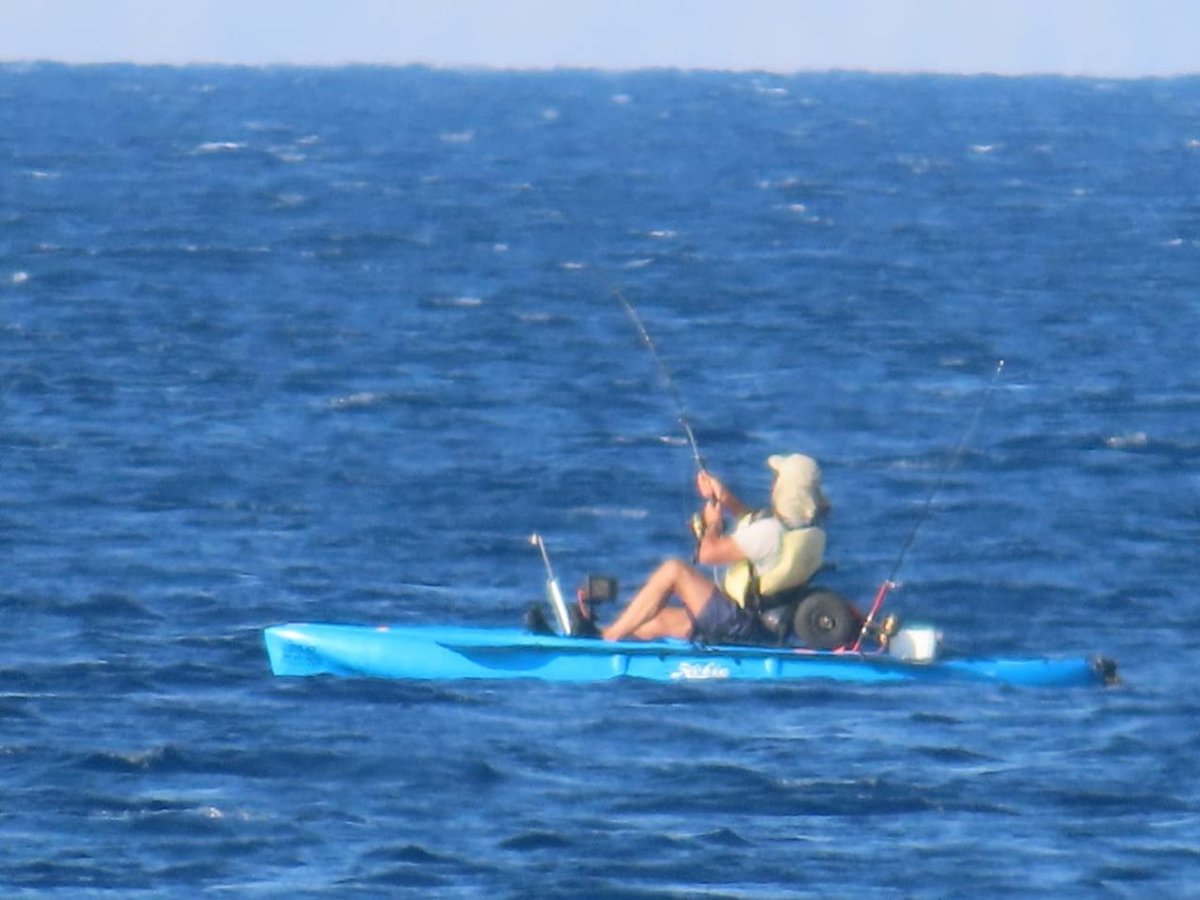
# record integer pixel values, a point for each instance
(291, 344)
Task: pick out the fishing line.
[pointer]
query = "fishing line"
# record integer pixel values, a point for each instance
(697, 526)
(663, 371)
(950, 463)
(946, 467)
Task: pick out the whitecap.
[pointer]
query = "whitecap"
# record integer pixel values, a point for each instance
(465, 302)
(550, 114)
(573, 266)
(20, 277)
(1132, 441)
(663, 233)
(41, 175)
(1193, 144)
(500, 248)
(610, 512)
(799, 209)
(290, 200)
(622, 99)
(953, 362)
(357, 401)
(982, 148)
(918, 165)
(457, 137)
(220, 147)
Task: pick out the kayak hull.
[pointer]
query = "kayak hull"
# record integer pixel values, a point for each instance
(433, 653)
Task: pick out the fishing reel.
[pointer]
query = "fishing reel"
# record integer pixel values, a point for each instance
(883, 632)
(697, 524)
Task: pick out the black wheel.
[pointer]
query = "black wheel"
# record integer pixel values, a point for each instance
(825, 620)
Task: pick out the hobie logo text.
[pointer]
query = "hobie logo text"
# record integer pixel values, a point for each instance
(699, 671)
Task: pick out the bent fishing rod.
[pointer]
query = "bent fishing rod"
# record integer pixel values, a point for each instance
(951, 461)
(697, 521)
(665, 374)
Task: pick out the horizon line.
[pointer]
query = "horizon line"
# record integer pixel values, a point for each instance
(544, 68)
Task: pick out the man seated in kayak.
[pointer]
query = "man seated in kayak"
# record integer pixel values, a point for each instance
(766, 552)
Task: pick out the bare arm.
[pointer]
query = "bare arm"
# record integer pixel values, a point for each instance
(712, 488)
(717, 548)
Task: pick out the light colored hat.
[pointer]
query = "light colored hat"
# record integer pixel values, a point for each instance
(797, 496)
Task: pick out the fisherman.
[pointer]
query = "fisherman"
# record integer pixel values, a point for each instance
(766, 552)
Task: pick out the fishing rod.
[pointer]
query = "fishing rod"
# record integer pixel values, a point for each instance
(665, 374)
(890, 582)
(553, 591)
(697, 521)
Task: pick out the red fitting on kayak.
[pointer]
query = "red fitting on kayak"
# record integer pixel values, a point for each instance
(880, 596)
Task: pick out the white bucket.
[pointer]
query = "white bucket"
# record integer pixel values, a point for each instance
(916, 643)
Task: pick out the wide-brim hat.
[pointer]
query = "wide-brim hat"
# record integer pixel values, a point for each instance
(797, 497)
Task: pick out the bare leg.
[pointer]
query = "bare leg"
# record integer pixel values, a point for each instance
(671, 621)
(645, 617)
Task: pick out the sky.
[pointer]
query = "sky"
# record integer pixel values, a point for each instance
(1107, 38)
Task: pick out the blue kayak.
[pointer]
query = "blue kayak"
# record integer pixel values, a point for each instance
(434, 653)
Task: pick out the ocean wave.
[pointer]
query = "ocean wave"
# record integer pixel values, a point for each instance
(336, 366)
(220, 147)
(360, 400)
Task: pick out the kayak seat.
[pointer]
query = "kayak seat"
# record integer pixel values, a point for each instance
(810, 616)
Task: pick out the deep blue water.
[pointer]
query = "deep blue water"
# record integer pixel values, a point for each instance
(327, 345)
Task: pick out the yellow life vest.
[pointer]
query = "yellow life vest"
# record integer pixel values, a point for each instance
(801, 554)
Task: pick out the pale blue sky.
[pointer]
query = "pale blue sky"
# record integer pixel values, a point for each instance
(1094, 37)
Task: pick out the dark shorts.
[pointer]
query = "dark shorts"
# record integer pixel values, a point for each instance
(724, 622)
